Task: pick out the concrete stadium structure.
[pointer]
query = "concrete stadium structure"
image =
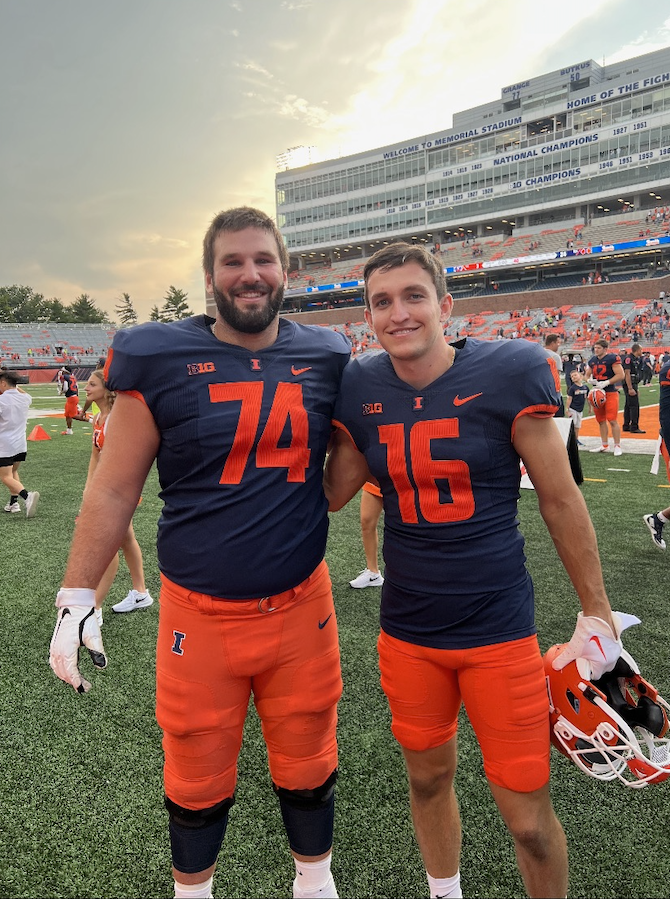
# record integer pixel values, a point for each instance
(563, 181)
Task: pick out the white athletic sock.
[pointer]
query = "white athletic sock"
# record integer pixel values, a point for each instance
(193, 890)
(312, 877)
(661, 517)
(445, 887)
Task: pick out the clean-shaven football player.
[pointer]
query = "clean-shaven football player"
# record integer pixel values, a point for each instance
(237, 412)
(442, 427)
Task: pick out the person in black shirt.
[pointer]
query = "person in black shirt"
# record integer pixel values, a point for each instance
(632, 370)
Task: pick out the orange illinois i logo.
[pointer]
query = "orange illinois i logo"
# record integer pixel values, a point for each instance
(417, 404)
(255, 365)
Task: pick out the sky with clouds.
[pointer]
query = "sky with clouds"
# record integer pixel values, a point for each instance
(128, 125)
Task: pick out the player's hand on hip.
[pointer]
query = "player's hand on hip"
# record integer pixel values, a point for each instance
(76, 626)
(594, 645)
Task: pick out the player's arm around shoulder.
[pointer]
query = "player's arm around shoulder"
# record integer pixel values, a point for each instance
(345, 472)
(540, 445)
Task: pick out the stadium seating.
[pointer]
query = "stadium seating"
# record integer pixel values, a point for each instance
(578, 325)
(47, 345)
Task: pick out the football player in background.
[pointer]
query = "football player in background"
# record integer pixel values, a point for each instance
(237, 412)
(69, 387)
(655, 521)
(441, 427)
(604, 370)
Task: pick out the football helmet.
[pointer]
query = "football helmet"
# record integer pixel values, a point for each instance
(597, 397)
(615, 728)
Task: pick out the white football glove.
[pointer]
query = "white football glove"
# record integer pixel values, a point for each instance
(76, 626)
(594, 646)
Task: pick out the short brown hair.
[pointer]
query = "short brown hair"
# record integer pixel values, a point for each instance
(601, 342)
(12, 377)
(551, 338)
(396, 254)
(238, 219)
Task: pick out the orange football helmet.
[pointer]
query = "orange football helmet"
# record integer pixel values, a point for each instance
(597, 397)
(615, 728)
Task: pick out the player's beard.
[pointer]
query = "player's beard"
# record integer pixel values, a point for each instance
(251, 320)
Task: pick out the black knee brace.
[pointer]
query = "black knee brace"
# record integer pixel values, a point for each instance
(196, 834)
(308, 817)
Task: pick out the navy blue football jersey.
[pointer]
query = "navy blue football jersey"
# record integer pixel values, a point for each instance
(602, 370)
(664, 401)
(455, 573)
(243, 441)
(70, 386)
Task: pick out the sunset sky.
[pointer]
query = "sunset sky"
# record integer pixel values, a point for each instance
(128, 125)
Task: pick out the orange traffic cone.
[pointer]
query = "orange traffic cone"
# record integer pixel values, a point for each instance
(38, 433)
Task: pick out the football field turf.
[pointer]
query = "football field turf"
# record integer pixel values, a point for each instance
(81, 794)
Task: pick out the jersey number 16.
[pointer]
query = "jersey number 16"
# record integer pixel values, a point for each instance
(426, 472)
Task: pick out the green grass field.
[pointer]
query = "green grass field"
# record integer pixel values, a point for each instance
(81, 794)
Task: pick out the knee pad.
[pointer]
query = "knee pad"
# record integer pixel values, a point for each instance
(308, 817)
(196, 834)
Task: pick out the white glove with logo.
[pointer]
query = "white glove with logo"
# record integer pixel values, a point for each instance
(76, 626)
(593, 645)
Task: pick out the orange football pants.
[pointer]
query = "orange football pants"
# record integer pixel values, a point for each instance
(503, 689)
(610, 410)
(213, 654)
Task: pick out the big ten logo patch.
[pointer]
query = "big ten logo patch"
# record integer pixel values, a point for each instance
(372, 408)
(199, 368)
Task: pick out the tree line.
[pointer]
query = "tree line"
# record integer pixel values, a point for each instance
(19, 303)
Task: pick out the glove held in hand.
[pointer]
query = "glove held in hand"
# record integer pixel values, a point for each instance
(76, 626)
(594, 646)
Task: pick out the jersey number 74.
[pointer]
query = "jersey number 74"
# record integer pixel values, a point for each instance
(287, 406)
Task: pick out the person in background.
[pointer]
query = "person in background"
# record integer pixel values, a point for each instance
(552, 342)
(70, 388)
(576, 398)
(371, 510)
(14, 405)
(632, 370)
(138, 597)
(604, 371)
(88, 403)
(656, 521)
